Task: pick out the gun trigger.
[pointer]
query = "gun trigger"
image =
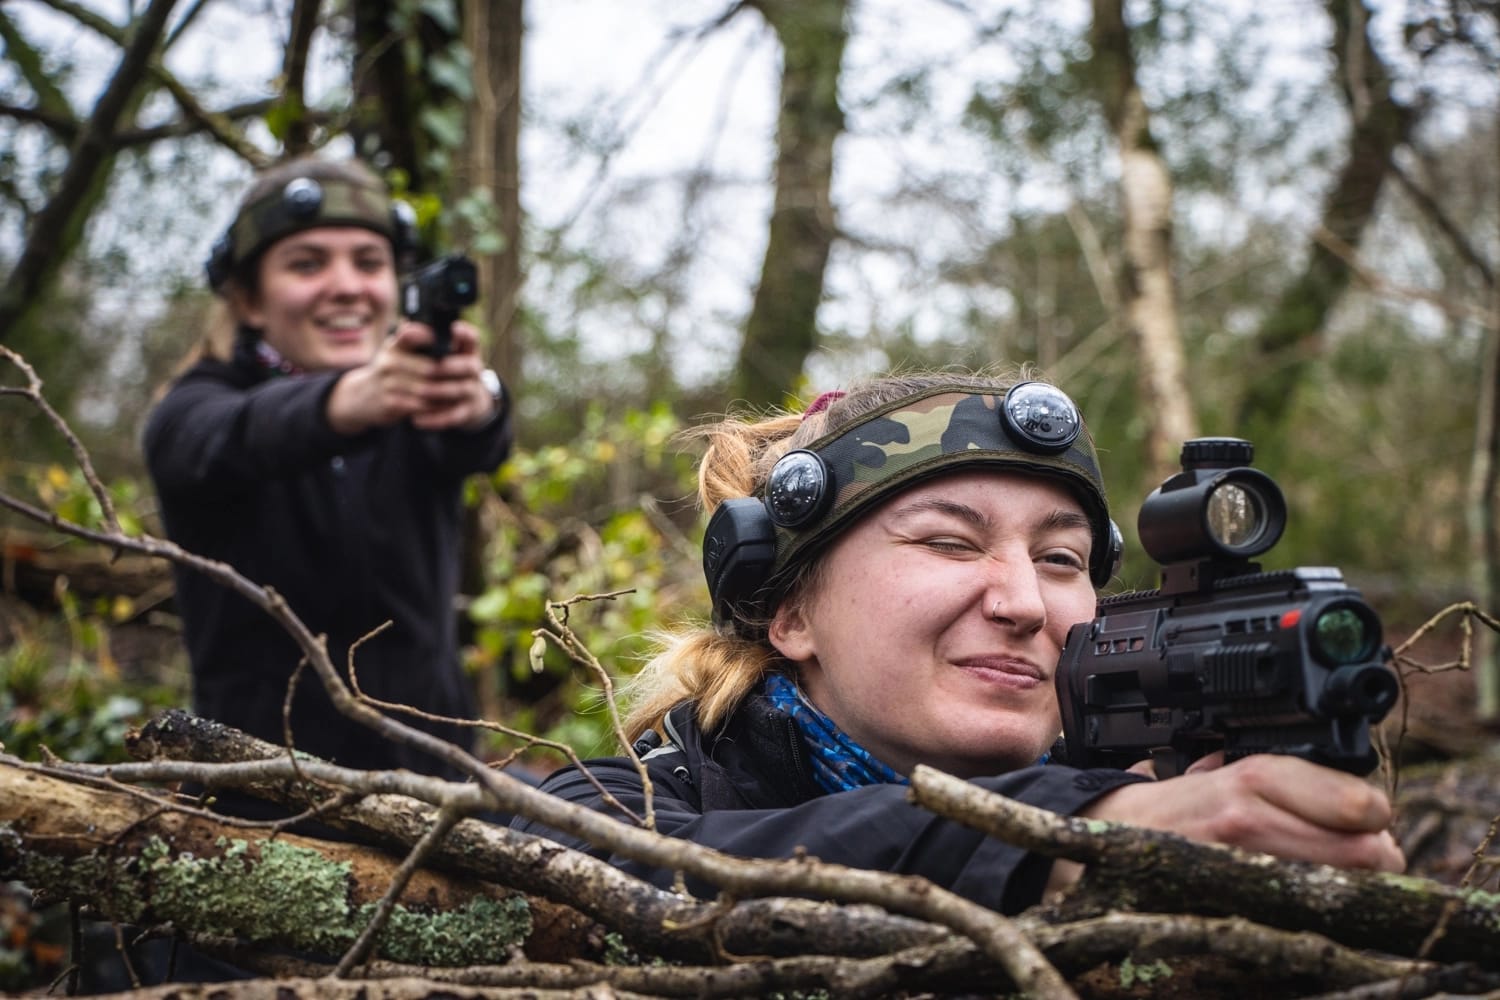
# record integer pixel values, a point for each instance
(1166, 762)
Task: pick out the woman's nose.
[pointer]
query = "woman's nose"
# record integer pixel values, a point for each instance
(1013, 596)
(345, 277)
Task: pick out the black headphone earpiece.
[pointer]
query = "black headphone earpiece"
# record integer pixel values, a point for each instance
(1114, 556)
(739, 549)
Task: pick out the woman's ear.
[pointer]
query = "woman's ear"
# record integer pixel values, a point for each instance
(790, 634)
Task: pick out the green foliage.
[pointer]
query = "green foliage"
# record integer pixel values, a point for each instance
(607, 513)
(78, 707)
(1132, 974)
(67, 494)
(283, 115)
(60, 685)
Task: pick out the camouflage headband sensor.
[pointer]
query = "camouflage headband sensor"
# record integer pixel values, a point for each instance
(814, 492)
(307, 203)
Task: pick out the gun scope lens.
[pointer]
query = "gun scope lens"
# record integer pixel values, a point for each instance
(1236, 515)
(1341, 635)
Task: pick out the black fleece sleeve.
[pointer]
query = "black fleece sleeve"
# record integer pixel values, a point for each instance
(458, 453)
(209, 436)
(873, 828)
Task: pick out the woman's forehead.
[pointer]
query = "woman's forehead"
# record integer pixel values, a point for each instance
(331, 237)
(986, 487)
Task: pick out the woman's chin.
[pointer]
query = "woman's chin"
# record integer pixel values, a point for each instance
(982, 763)
(348, 355)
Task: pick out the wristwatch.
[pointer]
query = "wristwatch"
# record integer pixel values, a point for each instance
(490, 379)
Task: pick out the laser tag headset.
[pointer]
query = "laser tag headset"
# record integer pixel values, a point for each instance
(307, 203)
(753, 544)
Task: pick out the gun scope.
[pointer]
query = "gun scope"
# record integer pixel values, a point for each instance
(1223, 656)
(1216, 508)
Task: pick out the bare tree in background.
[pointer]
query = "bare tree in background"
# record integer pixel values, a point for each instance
(1466, 30)
(1149, 294)
(56, 230)
(1292, 333)
(492, 34)
(782, 328)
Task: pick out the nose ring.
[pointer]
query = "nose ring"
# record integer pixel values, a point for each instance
(995, 611)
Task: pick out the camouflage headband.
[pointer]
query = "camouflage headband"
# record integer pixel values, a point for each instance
(943, 429)
(303, 203)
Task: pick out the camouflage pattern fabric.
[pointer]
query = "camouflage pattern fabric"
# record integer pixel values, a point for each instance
(917, 437)
(277, 214)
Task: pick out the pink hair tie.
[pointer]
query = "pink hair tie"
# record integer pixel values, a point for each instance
(822, 402)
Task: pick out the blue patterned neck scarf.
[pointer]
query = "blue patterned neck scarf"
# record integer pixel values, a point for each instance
(838, 763)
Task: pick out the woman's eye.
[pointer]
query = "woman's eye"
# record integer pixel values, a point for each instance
(373, 265)
(1068, 559)
(947, 543)
(303, 265)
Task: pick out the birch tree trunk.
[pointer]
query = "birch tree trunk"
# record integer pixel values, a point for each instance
(1484, 533)
(1150, 294)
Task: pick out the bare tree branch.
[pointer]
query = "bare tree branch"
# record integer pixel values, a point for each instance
(294, 74)
(56, 229)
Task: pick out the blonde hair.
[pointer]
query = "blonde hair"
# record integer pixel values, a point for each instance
(717, 667)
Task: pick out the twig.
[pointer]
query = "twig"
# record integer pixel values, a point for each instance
(567, 640)
(531, 741)
(33, 393)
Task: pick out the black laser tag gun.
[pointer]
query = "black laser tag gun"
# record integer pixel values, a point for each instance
(437, 294)
(1224, 656)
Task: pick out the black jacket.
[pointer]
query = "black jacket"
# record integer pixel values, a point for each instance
(748, 790)
(351, 531)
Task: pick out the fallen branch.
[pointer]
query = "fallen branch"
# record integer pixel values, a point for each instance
(1152, 871)
(143, 862)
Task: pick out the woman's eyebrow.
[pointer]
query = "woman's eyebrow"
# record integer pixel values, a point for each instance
(1061, 519)
(962, 511)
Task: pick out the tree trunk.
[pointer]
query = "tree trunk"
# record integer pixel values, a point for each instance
(492, 34)
(407, 118)
(1484, 532)
(492, 164)
(296, 131)
(1149, 295)
(1291, 335)
(56, 230)
(782, 328)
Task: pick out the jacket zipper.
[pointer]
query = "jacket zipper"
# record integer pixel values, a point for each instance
(796, 742)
